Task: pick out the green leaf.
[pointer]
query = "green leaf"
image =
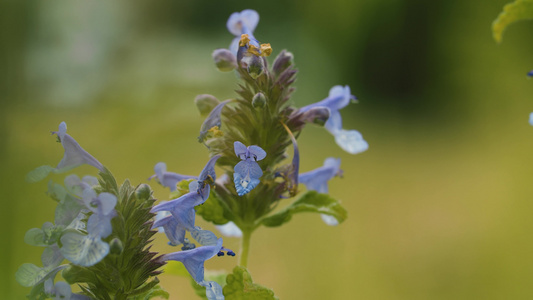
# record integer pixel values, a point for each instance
(107, 182)
(212, 210)
(311, 201)
(240, 286)
(156, 292)
(149, 290)
(38, 173)
(512, 12)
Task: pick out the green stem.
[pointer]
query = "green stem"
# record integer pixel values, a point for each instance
(245, 247)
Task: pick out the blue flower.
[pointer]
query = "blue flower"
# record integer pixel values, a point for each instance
(182, 208)
(75, 155)
(242, 23)
(530, 73)
(168, 179)
(174, 231)
(531, 119)
(247, 171)
(350, 141)
(317, 180)
(194, 260)
(212, 123)
(87, 250)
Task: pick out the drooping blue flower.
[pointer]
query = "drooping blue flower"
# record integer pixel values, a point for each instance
(350, 141)
(531, 119)
(194, 259)
(317, 180)
(75, 155)
(168, 179)
(242, 23)
(247, 172)
(530, 73)
(212, 122)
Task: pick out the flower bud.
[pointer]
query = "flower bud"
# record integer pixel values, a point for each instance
(205, 103)
(282, 62)
(317, 115)
(224, 60)
(259, 100)
(115, 246)
(254, 65)
(143, 192)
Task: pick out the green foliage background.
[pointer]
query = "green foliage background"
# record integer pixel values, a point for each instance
(438, 208)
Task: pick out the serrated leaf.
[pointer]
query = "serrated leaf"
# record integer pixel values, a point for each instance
(107, 182)
(311, 201)
(212, 210)
(240, 286)
(512, 12)
(39, 173)
(156, 291)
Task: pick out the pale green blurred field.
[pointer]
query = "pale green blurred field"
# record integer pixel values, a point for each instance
(439, 206)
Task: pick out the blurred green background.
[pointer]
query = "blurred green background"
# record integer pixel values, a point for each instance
(439, 206)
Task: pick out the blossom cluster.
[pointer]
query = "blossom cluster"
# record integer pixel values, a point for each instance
(105, 231)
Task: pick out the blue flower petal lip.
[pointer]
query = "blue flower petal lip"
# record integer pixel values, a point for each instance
(247, 171)
(213, 291)
(243, 22)
(83, 250)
